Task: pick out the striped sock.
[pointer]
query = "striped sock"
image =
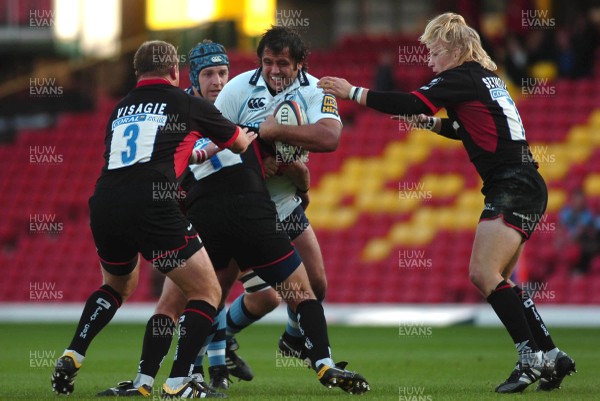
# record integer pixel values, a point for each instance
(238, 317)
(216, 348)
(292, 327)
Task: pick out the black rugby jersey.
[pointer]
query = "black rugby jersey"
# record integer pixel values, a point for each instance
(243, 177)
(480, 110)
(225, 173)
(155, 127)
(482, 115)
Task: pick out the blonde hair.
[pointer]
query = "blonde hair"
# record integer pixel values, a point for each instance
(454, 32)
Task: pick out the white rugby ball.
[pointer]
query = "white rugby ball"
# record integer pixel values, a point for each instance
(289, 112)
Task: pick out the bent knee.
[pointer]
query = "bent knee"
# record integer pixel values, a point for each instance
(262, 302)
(124, 288)
(477, 276)
(272, 299)
(169, 309)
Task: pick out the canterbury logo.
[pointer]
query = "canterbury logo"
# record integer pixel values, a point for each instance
(256, 103)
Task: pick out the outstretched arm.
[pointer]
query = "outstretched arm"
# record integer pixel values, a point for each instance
(243, 139)
(441, 126)
(386, 102)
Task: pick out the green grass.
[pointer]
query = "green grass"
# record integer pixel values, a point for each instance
(458, 363)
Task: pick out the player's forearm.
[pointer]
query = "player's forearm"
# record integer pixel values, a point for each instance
(400, 103)
(318, 137)
(201, 155)
(446, 129)
(242, 140)
(299, 174)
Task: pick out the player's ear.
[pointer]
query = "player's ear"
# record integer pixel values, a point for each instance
(457, 51)
(174, 72)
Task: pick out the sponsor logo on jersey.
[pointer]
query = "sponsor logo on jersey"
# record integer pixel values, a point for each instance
(489, 206)
(256, 103)
(497, 93)
(433, 82)
(329, 105)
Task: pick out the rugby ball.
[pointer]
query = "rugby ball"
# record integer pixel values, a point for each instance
(289, 112)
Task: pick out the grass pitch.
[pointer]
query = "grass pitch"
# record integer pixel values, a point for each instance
(406, 364)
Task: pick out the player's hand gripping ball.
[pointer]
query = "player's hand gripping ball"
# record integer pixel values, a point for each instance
(289, 113)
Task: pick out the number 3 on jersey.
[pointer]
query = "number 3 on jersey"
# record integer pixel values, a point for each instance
(131, 134)
(133, 142)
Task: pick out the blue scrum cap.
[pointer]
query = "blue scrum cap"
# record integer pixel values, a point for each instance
(205, 54)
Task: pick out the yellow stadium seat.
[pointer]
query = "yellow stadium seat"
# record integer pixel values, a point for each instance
(580, 135)
(544, 69)
(556, 199)
(591, 185)
(594, 120)
(376, 250)
(472, 199)
(443, 185)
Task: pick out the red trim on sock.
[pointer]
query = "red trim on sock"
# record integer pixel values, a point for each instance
(112, 296)
(199, 312)
(505, 286)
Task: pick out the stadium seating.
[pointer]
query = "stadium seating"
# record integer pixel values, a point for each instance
(379, 244)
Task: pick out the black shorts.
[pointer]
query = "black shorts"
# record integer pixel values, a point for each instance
(519, 195)
(140, 217)
(295, 224)
(243, 227)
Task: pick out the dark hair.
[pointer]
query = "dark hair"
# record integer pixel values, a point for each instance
(155, 57)
(278, 38)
